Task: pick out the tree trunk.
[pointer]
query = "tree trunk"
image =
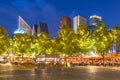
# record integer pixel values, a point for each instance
(103, 55)
(65, 61)
(22, 56)
(82, 62)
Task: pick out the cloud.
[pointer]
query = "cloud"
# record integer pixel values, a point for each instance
(32, 11)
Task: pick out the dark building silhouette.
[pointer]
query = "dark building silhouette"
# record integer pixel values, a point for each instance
(34, 29)
(92, 27)
(40, 27)
(65, 20)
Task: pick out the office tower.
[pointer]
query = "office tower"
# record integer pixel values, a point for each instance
(23, 25)
(77, 20)
(40, 27)
(34, 29)
(95, 20)
(65, 20)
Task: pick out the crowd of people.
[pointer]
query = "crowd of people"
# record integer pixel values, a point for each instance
(94, 61)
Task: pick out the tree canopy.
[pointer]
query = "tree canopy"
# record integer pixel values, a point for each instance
(4, 41)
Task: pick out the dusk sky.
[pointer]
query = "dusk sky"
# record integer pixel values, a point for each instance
(50, 11)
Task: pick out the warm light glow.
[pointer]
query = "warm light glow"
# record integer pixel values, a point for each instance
(68, 64)
(62, 62)
(11, 54)
(92, 54)
(1, 59)
(46, 62)
(92, 69)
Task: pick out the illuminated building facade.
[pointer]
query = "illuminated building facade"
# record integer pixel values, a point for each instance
(95, 20)
(77, 20)
(22, 24)
(65, 21)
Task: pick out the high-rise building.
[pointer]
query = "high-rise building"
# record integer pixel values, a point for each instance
(77, 20)
(95, 20)
(22, 24)
(40, 27)
(34, 29)
(65, 20)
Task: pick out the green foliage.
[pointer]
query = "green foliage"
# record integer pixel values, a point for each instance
(43, 43)
(21, 43)
(116, 35)
(4, 41)
(34, 45)
(84, 40)
(103, 39)
(66, 41)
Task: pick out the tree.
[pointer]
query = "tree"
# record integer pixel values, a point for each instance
(103, 39)
(34, 45)
(4, 41)
(116, 35)
(21, 43)
(66, 41)
(84, 40)
(43, 43)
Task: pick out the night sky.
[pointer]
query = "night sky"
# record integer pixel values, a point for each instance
(49, 11)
